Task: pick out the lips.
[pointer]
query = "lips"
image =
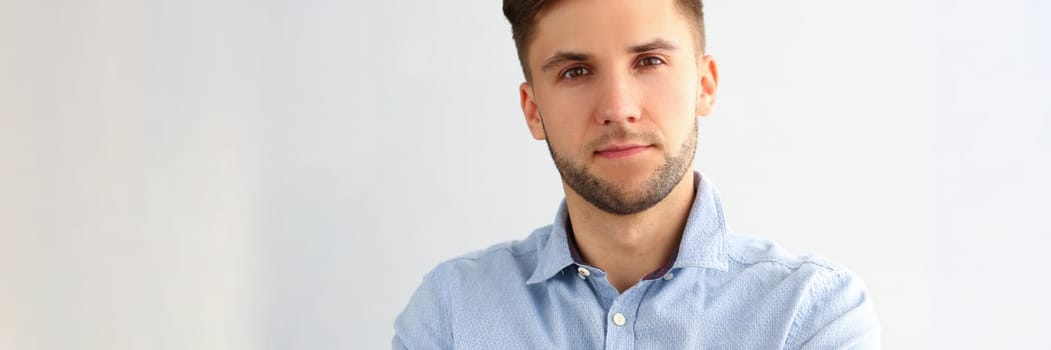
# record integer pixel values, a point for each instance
(621, 151)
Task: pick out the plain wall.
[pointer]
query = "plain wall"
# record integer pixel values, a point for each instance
(279, 175)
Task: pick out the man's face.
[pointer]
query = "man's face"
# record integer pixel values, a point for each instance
(617, 86)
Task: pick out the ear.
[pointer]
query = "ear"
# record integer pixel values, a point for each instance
(531, 112)
(707, 85)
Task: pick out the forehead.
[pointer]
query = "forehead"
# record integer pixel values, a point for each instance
(605, 26)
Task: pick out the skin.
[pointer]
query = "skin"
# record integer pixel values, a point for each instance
(644, 84)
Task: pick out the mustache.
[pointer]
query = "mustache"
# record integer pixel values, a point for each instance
(623, 135)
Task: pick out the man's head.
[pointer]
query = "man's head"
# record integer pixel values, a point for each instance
(615, 87)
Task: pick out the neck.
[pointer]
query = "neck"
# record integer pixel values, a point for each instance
(627, 247)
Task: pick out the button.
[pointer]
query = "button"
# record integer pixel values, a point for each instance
(584, 273)
(618, 319)
(669, 276)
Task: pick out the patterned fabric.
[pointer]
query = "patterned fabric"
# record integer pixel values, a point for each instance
(723, 291)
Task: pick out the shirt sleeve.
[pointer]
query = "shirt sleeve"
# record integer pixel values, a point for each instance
(838, 315)
(424, 322)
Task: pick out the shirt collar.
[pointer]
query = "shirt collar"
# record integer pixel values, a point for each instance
(702, 245)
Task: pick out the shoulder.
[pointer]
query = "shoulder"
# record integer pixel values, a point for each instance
(830, 303)
(747, 251)
(516, 259)
(426, 322)
(810, 277)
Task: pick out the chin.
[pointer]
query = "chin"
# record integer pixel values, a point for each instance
(629, 179)
(632, 169)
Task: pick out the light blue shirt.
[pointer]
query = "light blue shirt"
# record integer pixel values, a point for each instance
(723, 291)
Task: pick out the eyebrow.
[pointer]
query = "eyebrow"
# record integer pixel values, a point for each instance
(561, 57)
(654, 45)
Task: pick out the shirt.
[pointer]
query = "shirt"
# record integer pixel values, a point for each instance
(722, 291)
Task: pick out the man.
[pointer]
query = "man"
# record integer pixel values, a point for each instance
(639, 256)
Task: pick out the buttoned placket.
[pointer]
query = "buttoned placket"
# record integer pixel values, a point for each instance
(621, 309)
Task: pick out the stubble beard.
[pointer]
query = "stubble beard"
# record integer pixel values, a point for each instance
(614, 198)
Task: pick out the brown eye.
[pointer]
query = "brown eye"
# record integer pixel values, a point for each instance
(575, 72)
(651, 61)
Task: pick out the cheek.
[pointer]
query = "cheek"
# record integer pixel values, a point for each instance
(672, 102)
(566, 122)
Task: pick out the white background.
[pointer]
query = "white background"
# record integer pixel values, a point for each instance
(233, 174)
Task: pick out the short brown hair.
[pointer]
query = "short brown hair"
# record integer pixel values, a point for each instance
(522, 15)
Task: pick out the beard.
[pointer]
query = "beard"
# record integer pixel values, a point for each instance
(617, 199)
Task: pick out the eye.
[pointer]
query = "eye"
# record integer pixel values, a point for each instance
(574, 73)
(651, 61)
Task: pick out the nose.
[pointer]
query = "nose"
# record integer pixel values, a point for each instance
(618, 101)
